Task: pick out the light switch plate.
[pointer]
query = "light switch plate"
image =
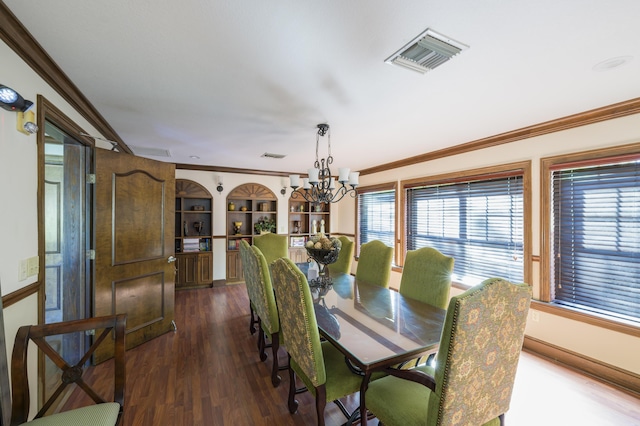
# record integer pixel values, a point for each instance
(33, 266)
(22, 270)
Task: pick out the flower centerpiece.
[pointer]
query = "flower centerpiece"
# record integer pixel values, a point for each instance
(265, 225)
(324, 251)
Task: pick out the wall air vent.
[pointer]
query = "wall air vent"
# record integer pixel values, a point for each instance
(426, 52)
(270, 155)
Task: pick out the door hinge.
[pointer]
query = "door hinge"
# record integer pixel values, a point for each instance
(91, 254)
(91, 178)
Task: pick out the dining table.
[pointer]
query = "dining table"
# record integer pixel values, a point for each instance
(374, 327)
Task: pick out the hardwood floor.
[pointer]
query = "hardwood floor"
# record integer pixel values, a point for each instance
(208, 373)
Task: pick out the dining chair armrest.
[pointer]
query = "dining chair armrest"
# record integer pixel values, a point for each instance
(414, 376)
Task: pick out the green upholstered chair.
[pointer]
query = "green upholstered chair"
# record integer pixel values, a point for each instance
(374, 263)
(426, 276)
(319, 365)
(343, 264)
(258, 281)
(476, 364)
(273, 246)
(108, 330)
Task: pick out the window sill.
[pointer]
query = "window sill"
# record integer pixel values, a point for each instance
(586, 317)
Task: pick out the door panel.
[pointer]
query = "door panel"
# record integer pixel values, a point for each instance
(134, 239)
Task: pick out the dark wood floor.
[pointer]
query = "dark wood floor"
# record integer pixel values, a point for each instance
(209, 373)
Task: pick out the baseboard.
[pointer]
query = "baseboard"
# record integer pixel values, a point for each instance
(623, 380)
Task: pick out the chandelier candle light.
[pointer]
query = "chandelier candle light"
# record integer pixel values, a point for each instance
(320, 186)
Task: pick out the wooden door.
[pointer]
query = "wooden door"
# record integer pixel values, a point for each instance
(134, 244)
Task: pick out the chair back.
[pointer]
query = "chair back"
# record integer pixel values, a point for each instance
(259, 287)
(374, 263)
(298, 320)
(5, 392)
(426, 276)
(107, 330)
(479, 351)
(273, 246)
(345, 257)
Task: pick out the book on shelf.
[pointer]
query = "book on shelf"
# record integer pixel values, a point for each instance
(191, 244)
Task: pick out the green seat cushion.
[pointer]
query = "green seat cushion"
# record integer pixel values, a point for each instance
(395, 401)
(93, 415)
(340, 380)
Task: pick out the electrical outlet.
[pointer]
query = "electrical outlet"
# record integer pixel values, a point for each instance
(535, 316)
(22, 270)
(33, 266)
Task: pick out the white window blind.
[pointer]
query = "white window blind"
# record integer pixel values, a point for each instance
(479, 223)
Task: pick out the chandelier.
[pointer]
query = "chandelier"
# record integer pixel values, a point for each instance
(320, 186)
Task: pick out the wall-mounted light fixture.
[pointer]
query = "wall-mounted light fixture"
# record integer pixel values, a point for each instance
(219, 188)
(12, 101)
(26, 123)
(284, 187)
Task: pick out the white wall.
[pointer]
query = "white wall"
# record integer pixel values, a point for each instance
(613, 348)
(18, 193)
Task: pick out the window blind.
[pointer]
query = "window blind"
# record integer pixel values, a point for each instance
(596, 238)
(479, 223)
(376, 217)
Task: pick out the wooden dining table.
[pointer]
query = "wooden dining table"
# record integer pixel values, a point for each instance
(375, 327)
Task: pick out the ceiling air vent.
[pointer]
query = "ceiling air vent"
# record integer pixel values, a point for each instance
(426, 52)
(270, 155)
(156, 152)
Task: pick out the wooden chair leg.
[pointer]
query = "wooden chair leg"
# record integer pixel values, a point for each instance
(261, 342)
(321, 402)
(293, 404)
(252, 320)
(275, 345)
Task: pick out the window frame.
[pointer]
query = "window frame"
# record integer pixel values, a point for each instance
(520, 168)
(547, 166)
(388, 186)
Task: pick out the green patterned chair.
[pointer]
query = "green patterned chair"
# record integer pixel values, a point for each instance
(272, 246)
(374, 263)
(472, 381)
(426, 276)
(343, 264)
(319, 365)
(263, 303)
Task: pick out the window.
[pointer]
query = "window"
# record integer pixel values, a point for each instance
(377, 215)
(595, 231)
(478, 220)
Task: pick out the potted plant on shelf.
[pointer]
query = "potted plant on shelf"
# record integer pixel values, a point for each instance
(265, 225)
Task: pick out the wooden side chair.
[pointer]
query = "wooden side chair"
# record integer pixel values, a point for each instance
(374, 263)
(260, 290)
(106, 411)
(345, 257)
(319, 365)
(476, 364)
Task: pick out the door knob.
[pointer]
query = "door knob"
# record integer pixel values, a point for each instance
(171, 259)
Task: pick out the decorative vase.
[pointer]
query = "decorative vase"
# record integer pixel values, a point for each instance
(236, 227)
(232, 206)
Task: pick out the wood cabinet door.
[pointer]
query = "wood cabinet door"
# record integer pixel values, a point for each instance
(234, 267)
(134, 244)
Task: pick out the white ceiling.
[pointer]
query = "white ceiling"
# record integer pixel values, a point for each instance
(230, 80)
